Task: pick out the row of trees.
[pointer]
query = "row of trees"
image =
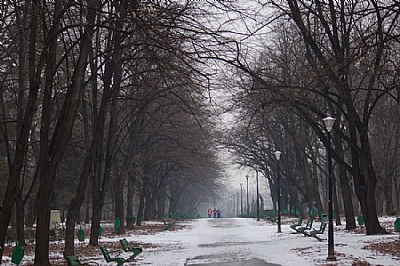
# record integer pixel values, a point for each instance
(111, 99)
(325, 58)
(100, 98)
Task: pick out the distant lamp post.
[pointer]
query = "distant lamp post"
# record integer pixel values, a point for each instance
(278, 156)
(234, 205)
(247, 203)
(329, 121)
(241, 199)
(258, 195)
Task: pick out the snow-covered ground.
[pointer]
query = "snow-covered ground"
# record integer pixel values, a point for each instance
(240, 241)
(236, 239)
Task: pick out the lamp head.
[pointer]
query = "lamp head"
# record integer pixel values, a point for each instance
(329, 121)
(278, 155)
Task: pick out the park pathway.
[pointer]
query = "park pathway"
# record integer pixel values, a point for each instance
(219, 241)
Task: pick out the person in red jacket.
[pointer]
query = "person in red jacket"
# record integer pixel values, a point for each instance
(209, 212)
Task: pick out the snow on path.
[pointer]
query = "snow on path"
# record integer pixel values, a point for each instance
(222, 240)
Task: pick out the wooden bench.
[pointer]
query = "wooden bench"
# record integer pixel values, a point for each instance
(74, 261)
(308, 226)
(125, 246)
(298, 223)
(315, 232)
(108, 258)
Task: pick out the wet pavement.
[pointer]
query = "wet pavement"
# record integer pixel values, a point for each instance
(234, 243)
(227, 261)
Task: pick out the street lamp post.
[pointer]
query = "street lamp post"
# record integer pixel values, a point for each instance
(234, 205)
(241, 199)
(258, 202)
(329, 121)
(278, 156)
(247, 203)
(237, 204)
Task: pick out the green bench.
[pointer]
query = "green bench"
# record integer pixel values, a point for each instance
(308, 226)
(74, 261)
(125, 246)
(314, 232)
(168, 225)
(298, 223)
(270, 216)
(108, 258)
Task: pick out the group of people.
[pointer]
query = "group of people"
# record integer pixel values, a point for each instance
(215, 213)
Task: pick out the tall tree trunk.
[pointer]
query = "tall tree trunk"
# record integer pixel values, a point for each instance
(344, 186)
(119, 201)
(130, 195)
(371, 218)
(99, 189)
(315, 189)
(23, 132)
(161, 198)
(148, 207)
(88, 166)
(388, 194)
(77, 200)
(140, 210)
(59, 141)
(20, 219)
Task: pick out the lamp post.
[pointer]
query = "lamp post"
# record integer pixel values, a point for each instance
(247, 203)
(237, 204)
(278, 156)
(241, 199)
(234, 205)
(329, 121)
(258, 202)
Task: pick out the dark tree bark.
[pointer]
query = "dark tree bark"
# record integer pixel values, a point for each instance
(100, 185)
(59, 141)
(140, 210)
(130, 195)
(118, 185)
(345, 187)
(24, 129)
(365, 180)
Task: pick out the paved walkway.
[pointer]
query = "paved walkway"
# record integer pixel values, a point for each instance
(228, 234)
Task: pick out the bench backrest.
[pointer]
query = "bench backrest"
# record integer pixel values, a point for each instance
(309, 224)
(105, 254)
(322, 227)
(72, 260)
(124, 244)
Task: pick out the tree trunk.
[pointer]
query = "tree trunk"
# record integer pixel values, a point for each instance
(345, 187)
(140, 210)
(148, 207)
(119, 201)
(161, 197)
(388, 194)
(20, 219)
(97, 207)
(129, 205)
(22, 133)
(76, 202)
(59, 141)
(30, 212)
(371, 218)
(99, 188)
